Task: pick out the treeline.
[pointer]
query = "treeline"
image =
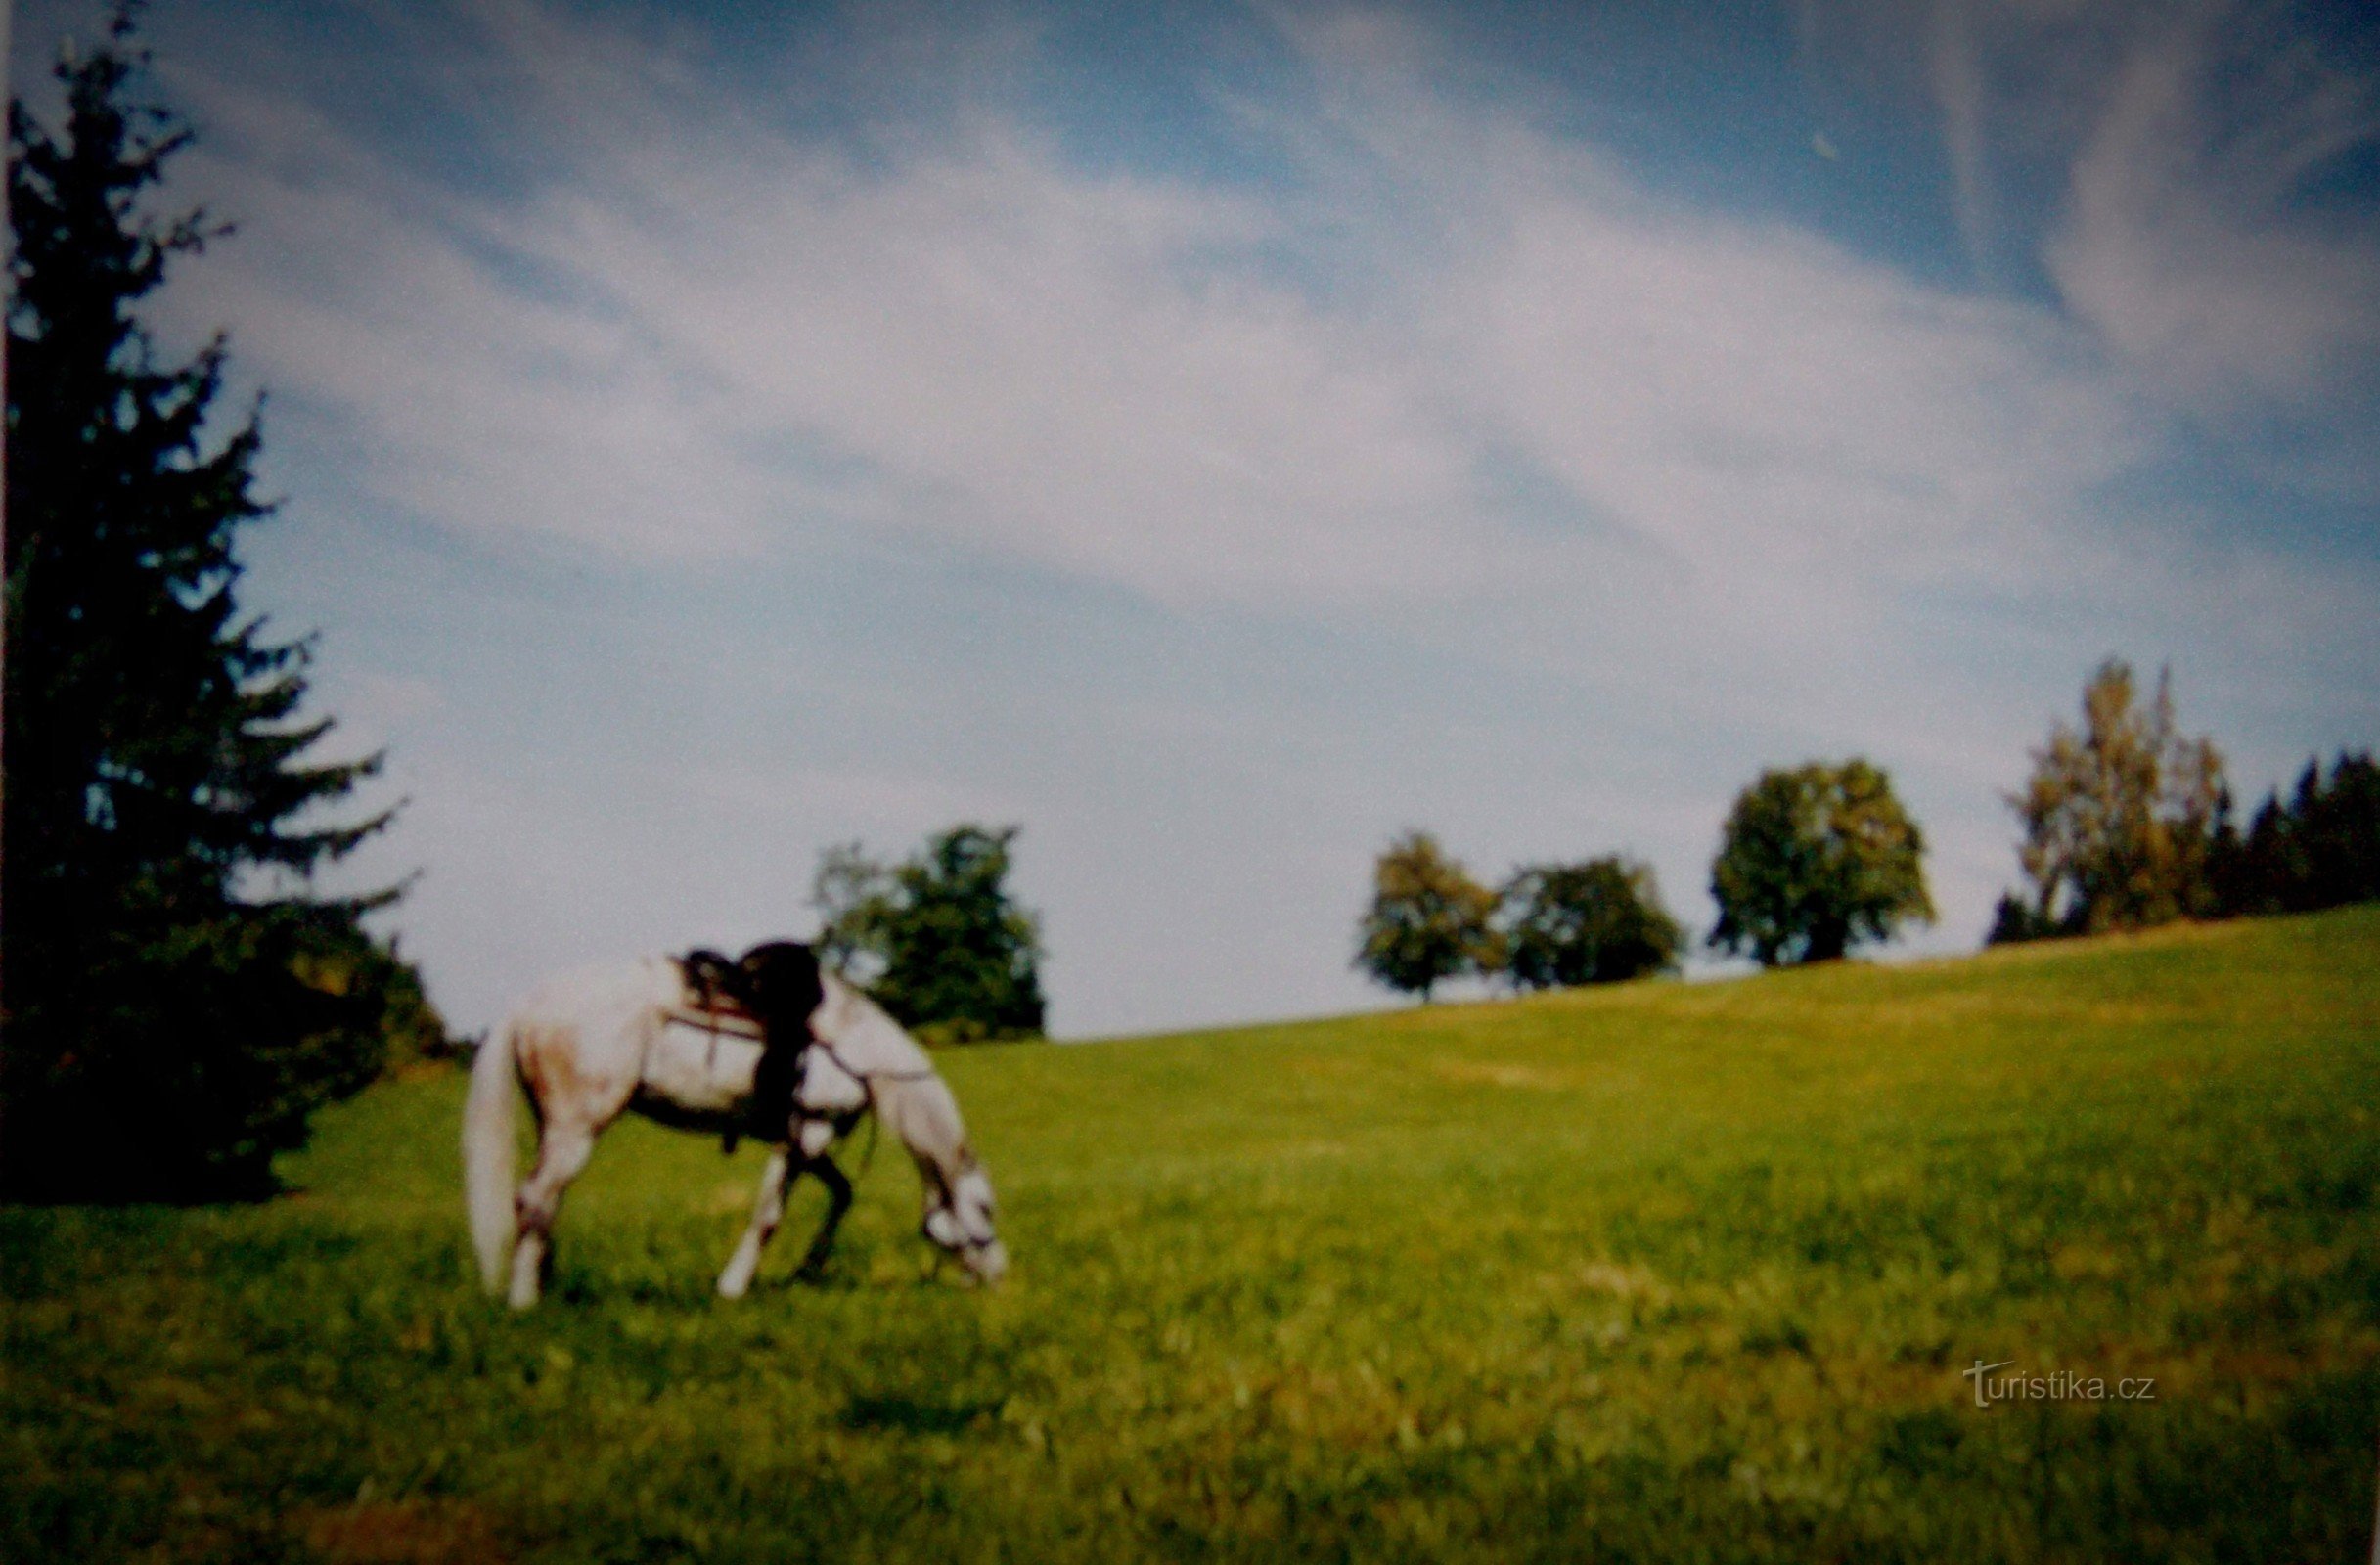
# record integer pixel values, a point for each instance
(2319, 848)
(1549, 925)
(1812, 861)
(2126, 824)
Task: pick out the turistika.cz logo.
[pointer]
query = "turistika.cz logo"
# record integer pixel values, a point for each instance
(2059, 1385)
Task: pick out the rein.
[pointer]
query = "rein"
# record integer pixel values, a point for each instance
(868, 1078)
(715, 1010)
(887, 1073)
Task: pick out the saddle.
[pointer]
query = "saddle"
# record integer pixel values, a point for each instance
(711, 1002)
(716, 1003)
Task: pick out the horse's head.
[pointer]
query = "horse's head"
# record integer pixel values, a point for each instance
(961, 1223)
(779, 982)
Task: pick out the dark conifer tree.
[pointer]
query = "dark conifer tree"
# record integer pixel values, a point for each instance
(2319, 848)
(176, 1000)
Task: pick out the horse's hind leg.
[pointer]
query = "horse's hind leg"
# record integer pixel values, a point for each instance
(838, 1202)
(768, 1210)
(562, 1152)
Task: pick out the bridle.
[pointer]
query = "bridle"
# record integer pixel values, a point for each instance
(968, 1245)
(883, 1073)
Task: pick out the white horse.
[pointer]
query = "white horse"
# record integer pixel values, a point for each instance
(640, 1037)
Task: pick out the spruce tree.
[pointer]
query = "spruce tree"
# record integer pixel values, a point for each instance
(176, 1000)
(2318, 848)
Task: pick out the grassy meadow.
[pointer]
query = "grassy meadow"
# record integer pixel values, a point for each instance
(1662, 1271)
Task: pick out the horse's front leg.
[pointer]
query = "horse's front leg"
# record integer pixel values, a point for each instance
(768, 1210)
(838, 1202)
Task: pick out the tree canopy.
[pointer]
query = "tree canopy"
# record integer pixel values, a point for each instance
(938, 940)
(1428, 920)
(1598, 922)
(2119, 818)
(177, 1000)
(1816, 860)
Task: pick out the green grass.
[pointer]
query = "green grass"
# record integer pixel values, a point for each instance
(1660, 1273)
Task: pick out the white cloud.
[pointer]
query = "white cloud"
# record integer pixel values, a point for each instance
(1468, 389)
(725, 335)
(2180, 244)
(2176, 143)
(470, 397)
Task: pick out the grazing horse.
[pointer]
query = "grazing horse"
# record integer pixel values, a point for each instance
(658, 1037)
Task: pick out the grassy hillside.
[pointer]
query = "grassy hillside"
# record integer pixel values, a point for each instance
(1659, 1272)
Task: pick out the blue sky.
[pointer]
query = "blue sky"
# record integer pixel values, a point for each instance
(1217, 439)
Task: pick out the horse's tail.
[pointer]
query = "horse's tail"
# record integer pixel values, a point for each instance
(487, 1154)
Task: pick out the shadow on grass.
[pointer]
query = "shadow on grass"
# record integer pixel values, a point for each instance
(913, 1416)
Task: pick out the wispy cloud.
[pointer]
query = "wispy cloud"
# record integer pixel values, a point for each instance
(1960, 86)
(731, 332)
(2184, 164)
(1713, 490)
(2186, 244)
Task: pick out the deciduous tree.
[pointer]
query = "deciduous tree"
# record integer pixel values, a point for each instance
(1816, 860)
(1585, 924)
(2119, 818)
(1428, 919)
(939, 941)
